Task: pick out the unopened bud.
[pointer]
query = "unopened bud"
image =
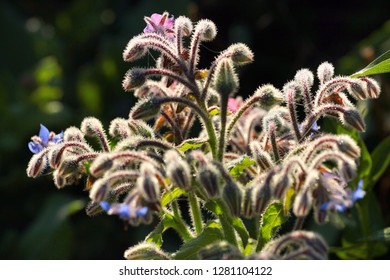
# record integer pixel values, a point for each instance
(261, 196)
(207, 29)
(133, 79)
(178, 170)
(209, 179)
(280, 186)
(147, 183)
(119, 128)
(135, 50)
(37, 164)
(145, 109)
(73, 134)
(139, 127)
(232, 196)
(241, 54)
(59, 181)
(99, 190)
(262, 158)
(225, 78)
(351, 117)
(325, 72)
(145, 251)
(348, 146)
(372, 87)
(100, 165)
(185, 24)
(91, 126)
(68, 167)
(304, 198)
(247, 205)
(269, 96)
(348, 170)
(356, 88)
(304, 77)
(220, 250)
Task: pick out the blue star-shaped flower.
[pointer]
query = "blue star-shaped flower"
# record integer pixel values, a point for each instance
(44, 139)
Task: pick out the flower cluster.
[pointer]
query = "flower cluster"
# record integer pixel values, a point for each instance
(244, 158)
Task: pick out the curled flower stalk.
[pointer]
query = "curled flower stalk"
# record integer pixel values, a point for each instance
(249, 160)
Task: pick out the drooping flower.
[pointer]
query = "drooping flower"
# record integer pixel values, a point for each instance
(44, 139)
(343, 199)
(161, 24)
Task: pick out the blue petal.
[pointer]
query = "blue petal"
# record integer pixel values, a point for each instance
(105, 205)
(58, 137)
(359, 192)
(44, 135)
(35, 147)
(142, 211)
(123, 210)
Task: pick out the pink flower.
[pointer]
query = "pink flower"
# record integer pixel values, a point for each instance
(161, 24)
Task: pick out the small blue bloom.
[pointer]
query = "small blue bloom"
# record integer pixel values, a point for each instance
(123, 210)
(44, 139)
(340, 202)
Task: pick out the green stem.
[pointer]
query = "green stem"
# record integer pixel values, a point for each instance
(227, 224)
(180, 226)
(196, 215)
(221, 148)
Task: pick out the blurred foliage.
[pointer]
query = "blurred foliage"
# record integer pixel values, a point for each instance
(61, 61)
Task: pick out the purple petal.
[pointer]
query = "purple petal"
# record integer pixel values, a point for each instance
(142, 212)
(44, 135)
(156, 18)
(35, 147)
(105, 205)
(359, 192)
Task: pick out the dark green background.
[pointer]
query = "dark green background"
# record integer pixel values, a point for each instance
(61, 61)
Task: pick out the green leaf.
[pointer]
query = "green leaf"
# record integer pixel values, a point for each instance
(378, 66)
(167, 197)
(189, 251)
(214, 111)
(380, 235)
(380, 161)
(193, 143)
(273, 218)
(242, 231)
(237, 166)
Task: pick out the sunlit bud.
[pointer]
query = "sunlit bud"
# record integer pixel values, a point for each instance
(225, 78)
(207, 29)
(220, 250)
(37, 164)
(348, 170)
(59, 181)
(304, 77)
(262, 158)
(325, 72)
(133, 79)
(357, 89)
(99, 190)
(119, 128)
(93, 208)
(304, 198)
(185, 24)
(145, 109)
(68, 166)
(178, 170)
(209, 179)
(232, 196)
(269, 96)
(135, 50)
(141, 128)
(145, 251)
(247, 205)
(372, 87)
(100, 165)
(348, 146)
(261, 195)
(282, 182)
(241, 54)
(351, 117)
(147, 184)
(73, 134)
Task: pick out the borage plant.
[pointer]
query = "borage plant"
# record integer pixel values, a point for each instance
(250, 168)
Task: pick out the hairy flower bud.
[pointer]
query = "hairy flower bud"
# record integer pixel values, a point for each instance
(37, 164)
(185, 24)
(208, 177)
(351, 117)
(119, 128)
(232, 196)
(145, 251)
(207, 30)
(225, 78)
(282, 182)
(100, 165)
(262, 158)
(325, 72)
(145, 109)
(372, 87)
(68, 167)
(133, 79)
(304, 77)
(304, 198)
(147, 183)
(247, 207)
(135, 49)
(269, 96)
(99, 190)
(178, 170)
(73, 134)
(141, 128)
(348, 146)
(240, 54)
(261, 195)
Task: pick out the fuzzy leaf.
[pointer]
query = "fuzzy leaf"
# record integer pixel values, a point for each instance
(194, 143)
(167, 197)
(378, 66)
(380, 161)
(189, 251)
(272, 219)
(237, 166)
(242, 231)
